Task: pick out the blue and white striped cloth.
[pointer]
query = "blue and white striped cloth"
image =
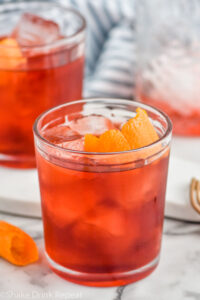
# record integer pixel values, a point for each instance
(110, 46)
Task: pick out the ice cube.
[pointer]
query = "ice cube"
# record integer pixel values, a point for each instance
(60, 134)
(91, 124)
(108, 219)
(67, 197)
(133, 188)
(106, 230)
(77, 144)
(33, 30)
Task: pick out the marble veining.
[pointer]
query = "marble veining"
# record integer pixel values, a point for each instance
(176, 278)
(119, 292)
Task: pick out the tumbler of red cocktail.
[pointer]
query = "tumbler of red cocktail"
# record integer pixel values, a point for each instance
(102, 212)
(41, 65)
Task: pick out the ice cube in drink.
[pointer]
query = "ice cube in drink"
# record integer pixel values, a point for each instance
(32, 30)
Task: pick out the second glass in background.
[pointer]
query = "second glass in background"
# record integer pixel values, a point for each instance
(168, 60)
(43, 70)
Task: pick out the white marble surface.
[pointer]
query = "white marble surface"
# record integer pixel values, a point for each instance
(176, 278)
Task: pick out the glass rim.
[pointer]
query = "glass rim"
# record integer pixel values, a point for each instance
(60, 42)
(168, 131)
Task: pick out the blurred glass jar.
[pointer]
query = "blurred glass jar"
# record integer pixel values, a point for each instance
(168, 60)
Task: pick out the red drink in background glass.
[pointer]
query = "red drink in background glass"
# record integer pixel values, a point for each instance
(102, 213)
(42, 69)
(167, 68)
(183, 124)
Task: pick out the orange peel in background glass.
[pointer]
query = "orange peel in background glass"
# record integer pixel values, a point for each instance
(10, 54)
(16, 246)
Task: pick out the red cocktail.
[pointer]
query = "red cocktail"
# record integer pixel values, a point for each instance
(102, 212)
(41, 65)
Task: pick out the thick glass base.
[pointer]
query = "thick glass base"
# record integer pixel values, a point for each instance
(103, 279)
(18, 161)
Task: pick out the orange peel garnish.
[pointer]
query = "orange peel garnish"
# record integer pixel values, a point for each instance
(16, 246)
(136, 133)
(110, 141)
(91, 143)
(10, 54)
(139, 131)
(113, 141)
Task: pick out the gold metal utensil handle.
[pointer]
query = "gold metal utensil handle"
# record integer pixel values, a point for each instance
(195, 194)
